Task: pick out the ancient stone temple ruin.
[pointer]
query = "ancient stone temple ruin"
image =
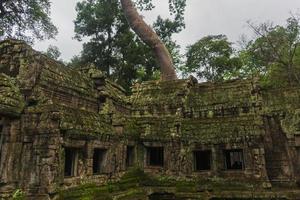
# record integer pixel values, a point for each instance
(61, 127)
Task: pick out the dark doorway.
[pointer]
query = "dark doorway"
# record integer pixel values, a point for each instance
(99, 157)
(202, 160)
(298, 165)
(130, 156)
(155, 156)
(71, 158)
(234, 159)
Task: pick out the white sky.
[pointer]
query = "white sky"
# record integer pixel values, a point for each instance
(203, 17)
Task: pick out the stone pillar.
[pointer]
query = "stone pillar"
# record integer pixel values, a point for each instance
(11, 149)
(214, 160)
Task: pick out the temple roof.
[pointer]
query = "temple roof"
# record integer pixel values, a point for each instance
(87, 102)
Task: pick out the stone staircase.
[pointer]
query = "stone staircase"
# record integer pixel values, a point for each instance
(277, 156)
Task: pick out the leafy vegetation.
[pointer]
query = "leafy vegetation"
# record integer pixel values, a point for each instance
(18, 195)
(273, 56)
(26, 20)
(132, 184)
(275, 53)
(53, 52)
(117, 50)
(211, 58)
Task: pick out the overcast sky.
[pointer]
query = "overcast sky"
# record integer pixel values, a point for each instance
(203, 17)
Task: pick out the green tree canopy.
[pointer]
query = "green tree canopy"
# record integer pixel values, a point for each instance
(211, 58)
(274, 54)
(114, 48)
(53, 52)
(26, 19)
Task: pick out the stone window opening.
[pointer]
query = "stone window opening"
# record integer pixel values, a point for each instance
(130, 156)
(71, 162)
(99, 158)
(202, 160)
(155, 156)
(298, 163)
(234, 159)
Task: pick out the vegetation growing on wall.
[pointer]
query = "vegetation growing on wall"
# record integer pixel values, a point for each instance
(136, 185)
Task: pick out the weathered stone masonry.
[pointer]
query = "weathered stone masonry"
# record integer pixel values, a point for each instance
(61, 127)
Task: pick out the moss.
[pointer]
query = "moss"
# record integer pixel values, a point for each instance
(76, 120)
(135, 184)
(85, 192)
(18, 195)
(86, 105)
(11, 100)
(132, 194)
(217, 198)
(128, 184)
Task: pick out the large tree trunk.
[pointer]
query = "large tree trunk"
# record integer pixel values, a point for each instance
(146, 34)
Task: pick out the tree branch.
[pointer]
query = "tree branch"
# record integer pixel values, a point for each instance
(280, 60)
(2, 9)
(148, 36)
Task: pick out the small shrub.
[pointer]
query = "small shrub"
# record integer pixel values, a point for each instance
(18, 195)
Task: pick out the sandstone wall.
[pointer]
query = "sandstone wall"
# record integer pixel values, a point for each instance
(47, 109)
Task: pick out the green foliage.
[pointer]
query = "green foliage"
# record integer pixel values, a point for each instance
(18, 195)
(165, 28)
(53, 52)
(274, 54)
(176, 9)
(132, 179)
(114, 48)
(26, 20)
(211, 58)
(250, 67)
